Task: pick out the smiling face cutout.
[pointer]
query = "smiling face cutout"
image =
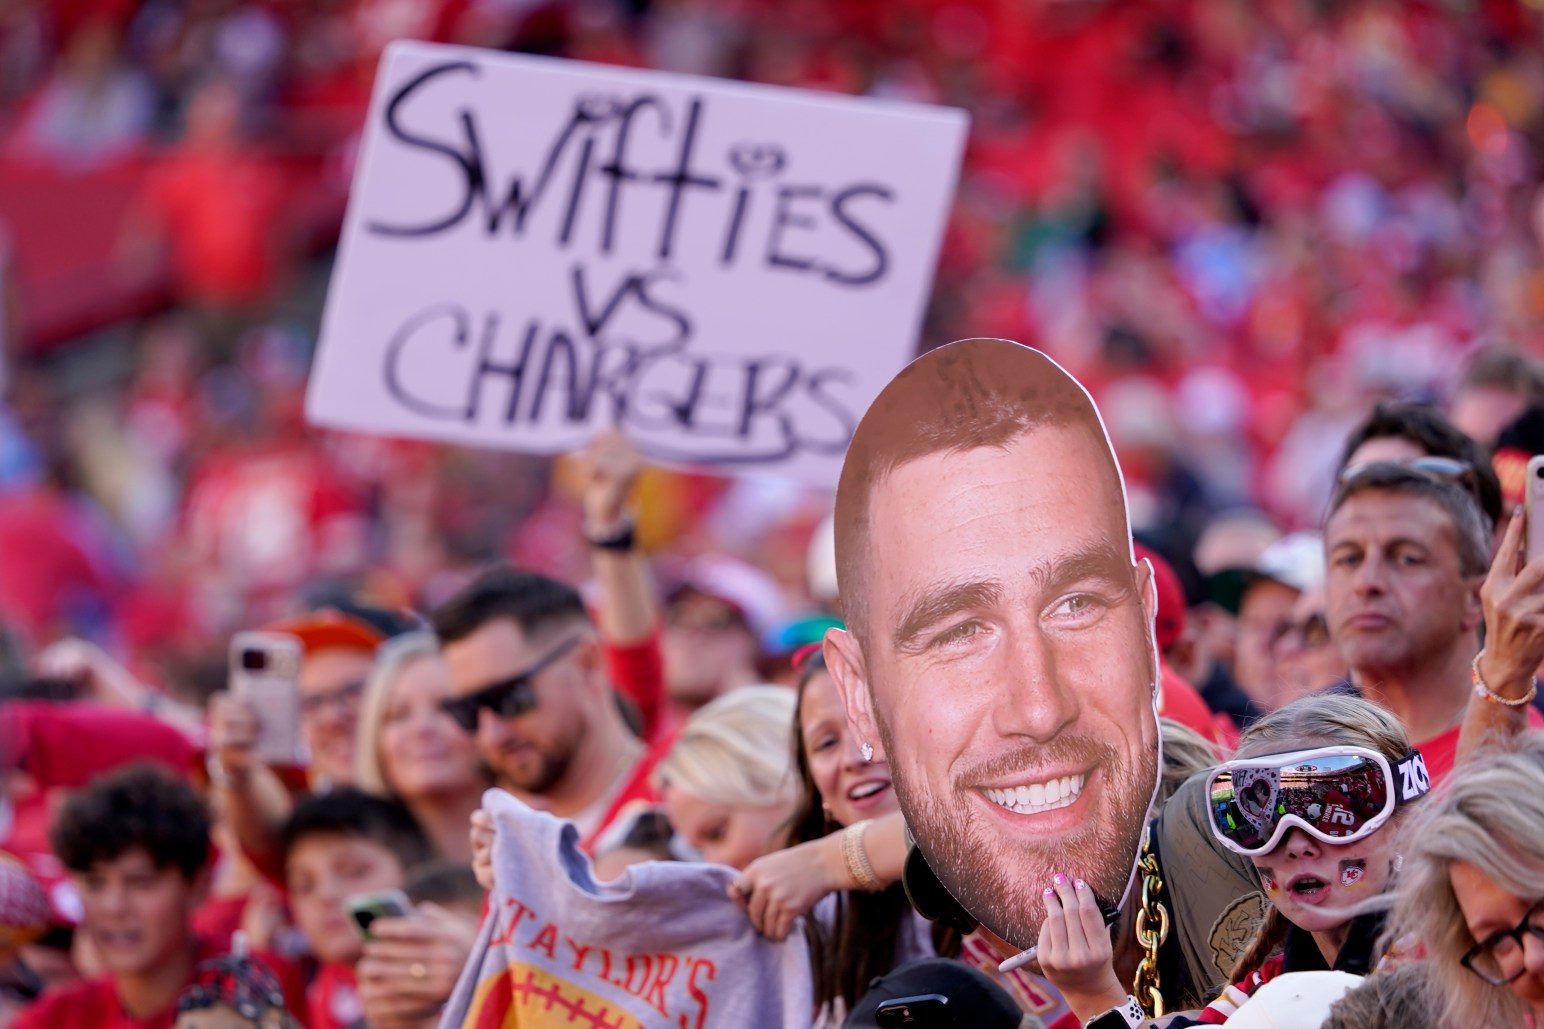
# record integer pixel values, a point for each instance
(1000, 655)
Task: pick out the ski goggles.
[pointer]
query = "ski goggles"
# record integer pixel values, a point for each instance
(1337, 795)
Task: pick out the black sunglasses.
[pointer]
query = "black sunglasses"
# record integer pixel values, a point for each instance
(508, 699)
(1488, 958)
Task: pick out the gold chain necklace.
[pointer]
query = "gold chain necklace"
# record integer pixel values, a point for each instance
(1152, 930)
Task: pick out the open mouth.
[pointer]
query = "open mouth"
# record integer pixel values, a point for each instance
(865, 790)
(1039, 797)
(1307, 886)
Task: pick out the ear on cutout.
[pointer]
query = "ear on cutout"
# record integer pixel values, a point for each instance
(849, 670)
(1147, 589)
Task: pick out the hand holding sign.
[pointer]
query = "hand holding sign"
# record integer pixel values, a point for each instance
(614, 464)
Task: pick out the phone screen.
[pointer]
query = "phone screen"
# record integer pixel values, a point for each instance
(366, 908)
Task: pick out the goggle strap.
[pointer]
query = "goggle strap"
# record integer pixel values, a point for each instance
(1414, 781)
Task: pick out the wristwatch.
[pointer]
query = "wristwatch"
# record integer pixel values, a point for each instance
(622, 538)
(1127, 1016)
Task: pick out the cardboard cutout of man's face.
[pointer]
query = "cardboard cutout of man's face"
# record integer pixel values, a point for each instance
(1000, 651)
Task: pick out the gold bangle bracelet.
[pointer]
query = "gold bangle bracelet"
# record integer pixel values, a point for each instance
(855, 857)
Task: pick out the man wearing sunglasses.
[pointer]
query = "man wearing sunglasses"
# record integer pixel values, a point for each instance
(531, 686)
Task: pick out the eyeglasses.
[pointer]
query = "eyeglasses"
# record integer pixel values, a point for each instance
(1338, 795)
(1312, 633)
(508, 699)
(1498, 959)
(343, 696)
(1438, 469)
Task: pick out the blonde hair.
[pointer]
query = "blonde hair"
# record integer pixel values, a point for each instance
(390, 660)
(735, 750)
(1185, 752)
(1326, 720)
(1490, 814)
(1322, 720)
(1396, 998)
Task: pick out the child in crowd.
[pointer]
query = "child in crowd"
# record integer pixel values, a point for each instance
(338, 845)
(1307, 799)
(136, 843)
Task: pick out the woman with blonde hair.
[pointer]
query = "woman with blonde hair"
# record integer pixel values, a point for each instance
(1472, 889)
(728, 783)
(409, 749)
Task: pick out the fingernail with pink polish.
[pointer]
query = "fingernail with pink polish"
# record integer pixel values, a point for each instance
(1080, 884)
(1050, 892)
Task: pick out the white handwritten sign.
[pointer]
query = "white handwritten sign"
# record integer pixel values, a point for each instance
(536, 249)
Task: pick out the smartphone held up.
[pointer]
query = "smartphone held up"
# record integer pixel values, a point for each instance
(265, 673)
(1534, 504)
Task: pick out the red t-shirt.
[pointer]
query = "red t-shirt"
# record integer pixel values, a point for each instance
(637, 670)
(93, 1003)
(1439, 752)
(332, 1002)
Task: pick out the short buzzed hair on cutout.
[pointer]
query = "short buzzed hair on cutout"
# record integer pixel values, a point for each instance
(964, 396)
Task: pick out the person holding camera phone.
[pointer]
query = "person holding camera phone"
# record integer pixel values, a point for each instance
(347, 860)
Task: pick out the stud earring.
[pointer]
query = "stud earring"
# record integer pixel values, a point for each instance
(867, 750)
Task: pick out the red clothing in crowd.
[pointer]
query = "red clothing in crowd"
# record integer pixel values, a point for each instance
(93, 1003)
(221, 209)
(332, 1002)
(1439, 752)
(637, 670)
(65, 746)
(1182, 702)
(49, 573)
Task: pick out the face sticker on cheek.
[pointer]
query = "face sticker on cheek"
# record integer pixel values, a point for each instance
(1268, 880)
(1351, 872)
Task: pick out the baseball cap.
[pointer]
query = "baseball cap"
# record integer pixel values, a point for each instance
(752, 593)
(973, 1000)
(332, 627)
(1293, 999)
(1296, 560)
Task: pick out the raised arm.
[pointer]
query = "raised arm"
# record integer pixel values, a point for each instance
(1514, 644)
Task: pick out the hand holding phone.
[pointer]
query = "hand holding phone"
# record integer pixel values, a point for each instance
(1533, 493)
(365, 908)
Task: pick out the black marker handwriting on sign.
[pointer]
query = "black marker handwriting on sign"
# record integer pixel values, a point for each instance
(683, 405)
(743, 188)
